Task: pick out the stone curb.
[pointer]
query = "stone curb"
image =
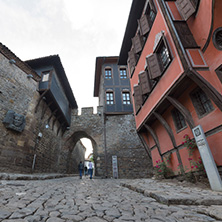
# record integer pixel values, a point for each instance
(168, 199)
(8, 176)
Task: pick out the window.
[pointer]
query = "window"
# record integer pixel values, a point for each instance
(159, 60)
(122, 72)
(109, 98)
(45, 76)
(217, 38)
(151, 11)
(163, 54)
(201, 102)
(147, 19)
(179, 120)
(108, 73)
(126, 98)
(219, 72)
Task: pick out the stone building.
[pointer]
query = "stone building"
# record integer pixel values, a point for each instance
(35, 111)
(173, 51)
(120, 138)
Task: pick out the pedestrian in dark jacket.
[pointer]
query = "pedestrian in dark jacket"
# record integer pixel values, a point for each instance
(80, 167)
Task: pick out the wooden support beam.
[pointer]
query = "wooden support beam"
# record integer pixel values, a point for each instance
(183, 110)
(147, 149)
(52, 115)
(155, 138)
(40, 98)
(44, 109)
(206, 87)
(167, 127)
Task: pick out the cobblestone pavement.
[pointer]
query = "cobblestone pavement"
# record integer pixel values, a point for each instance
(71, 199)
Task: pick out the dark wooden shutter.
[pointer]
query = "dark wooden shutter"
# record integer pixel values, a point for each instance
(145, 82)
(137, 41)
(152, 6)
(185, 34)
(138, 100)
(186, 8)
(144, 24)
(132, 59)
(153, 66)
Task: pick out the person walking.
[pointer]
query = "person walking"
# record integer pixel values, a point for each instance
(86, 170)
(90, 168)
(80, 167)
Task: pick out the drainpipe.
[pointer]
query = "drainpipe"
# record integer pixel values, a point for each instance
(105, 148)
(34, 157)
(33, 163)
(104, 124)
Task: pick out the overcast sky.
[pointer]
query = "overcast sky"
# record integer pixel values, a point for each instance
(77, 30)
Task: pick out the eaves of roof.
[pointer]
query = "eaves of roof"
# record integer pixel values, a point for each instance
(131, 27)
(55, 61)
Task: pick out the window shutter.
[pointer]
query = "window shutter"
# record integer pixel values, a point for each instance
(144, 25)
(132, 59)
(145, 82)
(130, 67)
(186, 8)
(137, 41)
(138, 100)
(185, 34)
(152, 6)
(153, 66)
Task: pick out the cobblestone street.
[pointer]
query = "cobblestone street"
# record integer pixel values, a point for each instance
(71, 199)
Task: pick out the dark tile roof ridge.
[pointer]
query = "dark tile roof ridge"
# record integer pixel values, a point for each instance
(43, 57)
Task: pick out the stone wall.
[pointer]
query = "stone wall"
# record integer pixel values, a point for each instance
(123, 141)
(16, 93)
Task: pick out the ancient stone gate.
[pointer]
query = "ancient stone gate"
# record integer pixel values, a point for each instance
(110, 135)
(88, 125)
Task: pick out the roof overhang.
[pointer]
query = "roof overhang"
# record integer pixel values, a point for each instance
(55, 61)
(131, 27)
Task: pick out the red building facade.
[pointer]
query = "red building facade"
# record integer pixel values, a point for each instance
(174, 54)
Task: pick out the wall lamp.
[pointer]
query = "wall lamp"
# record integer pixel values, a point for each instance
(29, 76)
(12, 61)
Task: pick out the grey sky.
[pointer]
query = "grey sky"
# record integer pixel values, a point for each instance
(77, 30)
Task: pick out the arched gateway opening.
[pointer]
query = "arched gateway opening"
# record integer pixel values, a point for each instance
(77, 150)
(112, 137)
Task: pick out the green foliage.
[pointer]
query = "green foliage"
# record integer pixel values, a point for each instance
(161, 170)
(91, 158)
(196, 165)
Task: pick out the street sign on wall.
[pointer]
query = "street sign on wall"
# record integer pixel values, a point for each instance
(207, 158)
(115, 167)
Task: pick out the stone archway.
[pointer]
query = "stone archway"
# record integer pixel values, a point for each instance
(91, 126)
(111, 136)
(71, 144)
